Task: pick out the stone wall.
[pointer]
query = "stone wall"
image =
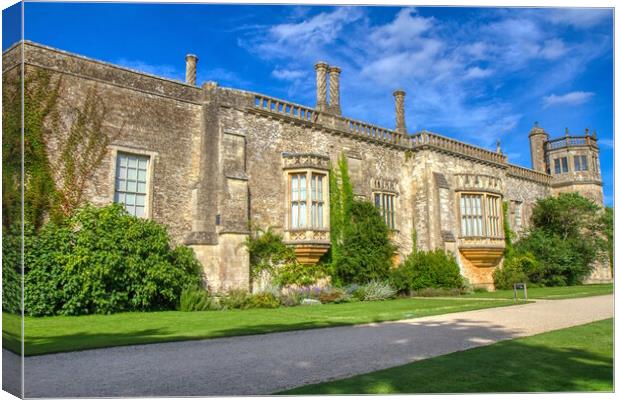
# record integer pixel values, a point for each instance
(220, 159)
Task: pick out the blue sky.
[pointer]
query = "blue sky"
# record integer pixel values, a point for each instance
(474, 74)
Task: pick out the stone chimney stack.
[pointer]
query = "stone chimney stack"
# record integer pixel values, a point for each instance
(190, 69)
(399, 99)
(334, 90)
(321, 85)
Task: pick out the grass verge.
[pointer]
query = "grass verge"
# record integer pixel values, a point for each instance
(572, 359)
(59, 334)
(549, 293)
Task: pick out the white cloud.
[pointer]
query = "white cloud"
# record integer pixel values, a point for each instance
(607, 143)
(578, 17)
(444, 68)
(572, 98)
(165, 71)
(404, 29)
(553, 48)
(477, 72)
(288, 74)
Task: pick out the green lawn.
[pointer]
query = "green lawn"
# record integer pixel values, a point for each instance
(573, 359)
(58, 334)
(550, 293)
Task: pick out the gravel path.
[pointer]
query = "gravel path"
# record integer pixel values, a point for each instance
(263, 364)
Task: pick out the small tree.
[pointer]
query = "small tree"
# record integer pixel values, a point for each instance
(567, 238)
(366, 251)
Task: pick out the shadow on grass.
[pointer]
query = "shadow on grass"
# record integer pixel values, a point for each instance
(574, 359)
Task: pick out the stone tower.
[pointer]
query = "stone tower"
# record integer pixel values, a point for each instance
(573, 161)
(538, 137)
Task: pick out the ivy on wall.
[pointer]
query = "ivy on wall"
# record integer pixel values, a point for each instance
(41, 94)
(340, 200)
(52, 188)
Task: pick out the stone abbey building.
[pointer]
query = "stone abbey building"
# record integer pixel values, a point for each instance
(208, 160)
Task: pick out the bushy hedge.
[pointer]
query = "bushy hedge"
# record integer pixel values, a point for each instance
(272, 259)
(515, 270)
(366, 251)
(103, 260)
(569, 234)
(11, 270)
(427, 269)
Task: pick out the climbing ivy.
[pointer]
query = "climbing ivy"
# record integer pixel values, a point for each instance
(41, 94)
(82, 151)
(340, 200)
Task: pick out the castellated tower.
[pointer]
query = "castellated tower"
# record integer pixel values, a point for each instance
(572, 161)
(538, 137)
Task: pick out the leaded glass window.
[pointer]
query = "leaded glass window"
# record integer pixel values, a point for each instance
(307, 200)
(131, 179)
(471, 215)
(581, 163)
(385, 203)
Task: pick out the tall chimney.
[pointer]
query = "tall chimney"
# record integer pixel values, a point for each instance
(399, 99)
(190, 69)
(334, 90)
(321, 85)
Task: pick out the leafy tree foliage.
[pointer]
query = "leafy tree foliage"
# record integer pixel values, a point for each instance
(103, 260)
(607, 220)
(566, 239)
(340, 200)
(269, 255)
(366, 251)
(427, 269)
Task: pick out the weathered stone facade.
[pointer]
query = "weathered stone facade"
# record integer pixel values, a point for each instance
(220, 159)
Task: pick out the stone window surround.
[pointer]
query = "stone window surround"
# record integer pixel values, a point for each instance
(485, 214)
(309, 172)
(115, 149)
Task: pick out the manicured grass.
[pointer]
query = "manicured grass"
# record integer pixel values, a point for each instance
(549, 293)
(58, 334)
(573, 359)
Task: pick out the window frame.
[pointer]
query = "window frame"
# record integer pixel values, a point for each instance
(153, 159)
(487, 225)
(580, 162)
(389, 216)
(308, 173)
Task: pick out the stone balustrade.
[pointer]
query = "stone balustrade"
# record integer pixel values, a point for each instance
(434, 140)
(285, 108)
(369, 131)
(569, 141)
(529, 174)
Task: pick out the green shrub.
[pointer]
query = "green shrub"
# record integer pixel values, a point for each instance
(11, 270)
(333, 295)
(236, 298)
(568, 235)
(267, 251)
(196, 299)
(560, 261)
(378, 290)
(366, 251)
(427, 269)
(294, 273)
(264, 300)
(515, 270)
(103, 260)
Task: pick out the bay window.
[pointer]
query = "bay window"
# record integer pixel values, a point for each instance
(307, 194)
(480, 215)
